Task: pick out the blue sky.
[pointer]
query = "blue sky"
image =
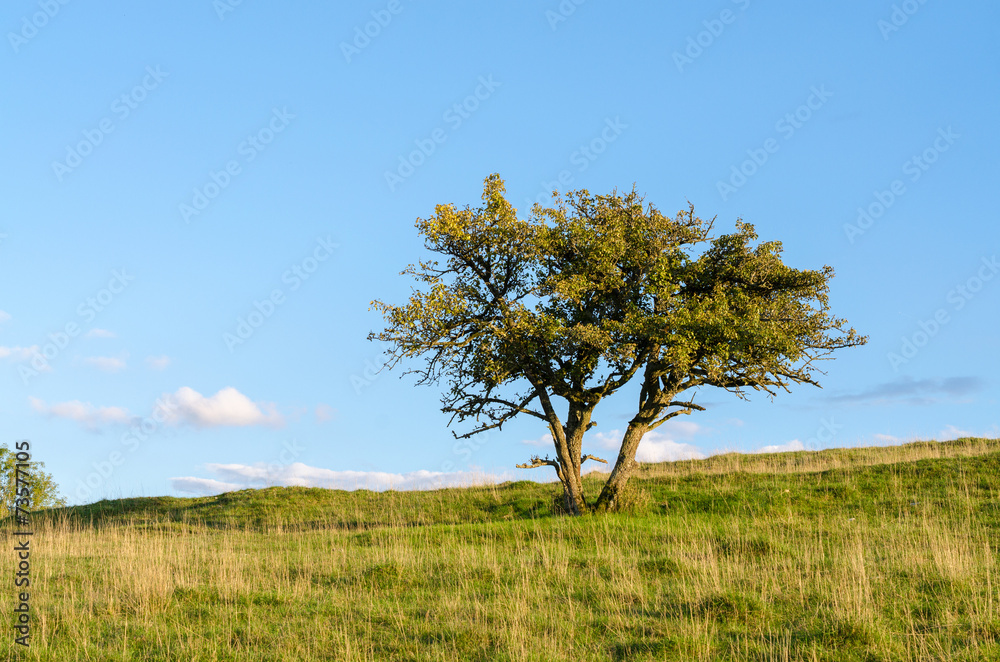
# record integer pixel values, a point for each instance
(200, 199)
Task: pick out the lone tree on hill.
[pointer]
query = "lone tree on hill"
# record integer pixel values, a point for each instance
(581, 298)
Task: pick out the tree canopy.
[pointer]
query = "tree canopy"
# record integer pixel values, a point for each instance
(44, 493)
(578, 299)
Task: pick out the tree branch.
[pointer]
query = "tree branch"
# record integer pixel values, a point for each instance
(540, 462)
(688, 408)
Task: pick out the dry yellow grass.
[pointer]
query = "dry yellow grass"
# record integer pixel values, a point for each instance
(825, 460)
(809, 578)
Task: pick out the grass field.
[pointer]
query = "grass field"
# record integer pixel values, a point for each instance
(858, 554)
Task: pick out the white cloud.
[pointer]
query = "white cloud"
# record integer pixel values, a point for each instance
(100, 333)
(656, 446)
(324, 413)
(679, 426)
(157, 362)
(4, 316)
(202, 486)
(544, 440)
(18, 353)
(241, 476)
(665, 450)
(951, 432)
(228, 407)
(108, 363)
(790, 447)
(886, 439)
(84, 413)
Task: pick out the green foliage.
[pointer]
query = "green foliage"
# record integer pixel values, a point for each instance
(44, 493)
(587, 291)
(578, 299)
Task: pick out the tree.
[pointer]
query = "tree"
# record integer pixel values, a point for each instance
(44, 493)
(583, 297)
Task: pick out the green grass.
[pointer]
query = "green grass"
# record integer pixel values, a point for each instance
(854, 554)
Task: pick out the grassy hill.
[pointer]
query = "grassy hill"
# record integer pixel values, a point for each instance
(849, 554)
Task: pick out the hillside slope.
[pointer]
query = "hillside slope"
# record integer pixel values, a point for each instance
(861, 477)
(818, 557)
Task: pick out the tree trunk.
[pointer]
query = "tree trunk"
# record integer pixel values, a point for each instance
(573, 493)
(569, 454)
(625, 466)
(568, 440)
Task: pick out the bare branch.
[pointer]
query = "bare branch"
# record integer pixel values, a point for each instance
(688, 408)
(479, 430)
(515, 407)
(687, 405)
(539, 462)
(584, 458)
